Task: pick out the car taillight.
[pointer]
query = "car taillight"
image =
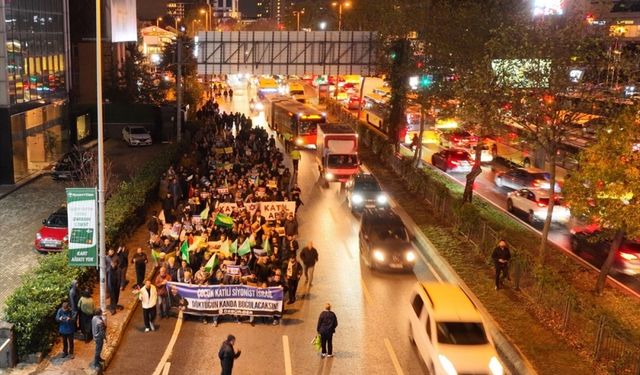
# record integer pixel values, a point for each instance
(628, 256)
(540, 204)
(454, 163)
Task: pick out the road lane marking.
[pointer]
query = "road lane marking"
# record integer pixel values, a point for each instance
(365, 290)
(167, 366)
(394, 358)
(287, 355)
(169, 349)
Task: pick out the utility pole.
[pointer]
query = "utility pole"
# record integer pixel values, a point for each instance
(101, 223)
(179, 91)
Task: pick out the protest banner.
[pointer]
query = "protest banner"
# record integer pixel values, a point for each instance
(238, 300)
(227, 208)
(269, 209)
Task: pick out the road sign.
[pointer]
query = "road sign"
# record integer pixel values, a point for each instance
(82, 217)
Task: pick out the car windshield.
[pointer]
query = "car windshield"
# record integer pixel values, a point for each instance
(138, 130)
(389, 232)
(57, 221)
(342, 161)
(459, 154)
(461, 333)
(367, 185)
(541, 176)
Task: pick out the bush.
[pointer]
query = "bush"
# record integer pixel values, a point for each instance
(32, 306)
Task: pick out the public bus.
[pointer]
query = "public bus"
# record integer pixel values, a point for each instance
(376, 109)
(296, 122)
(267, 85)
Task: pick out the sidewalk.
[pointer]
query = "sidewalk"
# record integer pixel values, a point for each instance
(116, 324)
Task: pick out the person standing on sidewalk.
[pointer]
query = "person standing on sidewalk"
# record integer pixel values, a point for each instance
(501, 256)
(227, 355)
(140, 261)
(99, 330)
(113, 284)
(66, 319)
(327, 323)
(123, 259)
(309, 258)
(148, 296)
(295, 159)
(86, 307)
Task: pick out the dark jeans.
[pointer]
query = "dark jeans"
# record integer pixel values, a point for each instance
(96, 356)
(140, 270)
(295, 164)
(501, 269)
(293, 287)
(114, 296)
(123, 279)
(85, 325)
(327, 343)
(67, 343)
(148, 315)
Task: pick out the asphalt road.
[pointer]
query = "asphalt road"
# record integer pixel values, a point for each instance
(22, 212)
(372, 308)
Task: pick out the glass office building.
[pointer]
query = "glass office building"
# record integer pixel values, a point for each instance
(34, 129)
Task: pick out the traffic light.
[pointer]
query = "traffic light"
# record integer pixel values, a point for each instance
(426, 81)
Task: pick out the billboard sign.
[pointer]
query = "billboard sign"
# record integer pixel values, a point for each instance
(124, 23)
(82, 218)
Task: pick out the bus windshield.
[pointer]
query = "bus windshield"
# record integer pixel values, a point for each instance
(308, 127)
(342, 161)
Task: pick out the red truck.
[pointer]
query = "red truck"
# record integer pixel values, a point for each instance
(337, 152)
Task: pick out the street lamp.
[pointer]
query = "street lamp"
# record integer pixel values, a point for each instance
(322, 25)
(298, 13)
(177, 19)
(193, 26)
(206, 20)
(340, 5)
(158, 22)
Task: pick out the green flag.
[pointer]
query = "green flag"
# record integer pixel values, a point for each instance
(184, 251)
(245, 248)
(223, 221)
(205, 213)
(233, 249)
(266, 246)
(212, 263)
(155, 255)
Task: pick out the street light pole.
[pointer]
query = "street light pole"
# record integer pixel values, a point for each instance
(101, 222)
(179, 92)
(177, 19)
(340, 4)
(298, 13)
(158, 22)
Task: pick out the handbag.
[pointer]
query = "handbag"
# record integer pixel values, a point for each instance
(317, 343)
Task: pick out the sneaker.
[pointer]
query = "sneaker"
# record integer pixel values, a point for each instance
(215, 323)
(275, 322)
(329, 355)
(323, 355)
(71, 356)
(64, 355)
(146, 329)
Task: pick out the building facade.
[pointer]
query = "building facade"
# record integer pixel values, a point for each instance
(34, 100)
(225, 9)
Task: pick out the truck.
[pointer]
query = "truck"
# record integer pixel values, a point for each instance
(337, 152)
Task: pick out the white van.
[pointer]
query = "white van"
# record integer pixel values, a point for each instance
(449, 332)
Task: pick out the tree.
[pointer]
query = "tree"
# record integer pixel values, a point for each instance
(192, 88)
(137, 82)
(606, 187)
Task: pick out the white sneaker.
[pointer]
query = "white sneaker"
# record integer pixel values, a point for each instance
(146, 329)
(323, 355)
(329, 355)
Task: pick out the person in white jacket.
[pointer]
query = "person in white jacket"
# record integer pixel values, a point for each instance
(148, 296)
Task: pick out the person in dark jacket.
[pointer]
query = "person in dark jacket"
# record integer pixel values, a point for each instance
(327, 323)
(140, 262)
(309, 258)
(74, 297)
(227, 355)
(292, 275)
(99, 330)
(66, 319)
(501, 256)
(123, 260)
(113, 284)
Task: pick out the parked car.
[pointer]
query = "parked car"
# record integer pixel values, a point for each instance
(520, 178)
(458, 138)
(72, 164)
(385, 242)
(354, 103)
(136, 136)
(534, 203)
(585, 242)
(449, 331)
(452, 160)
(53, 235)
(364, 191)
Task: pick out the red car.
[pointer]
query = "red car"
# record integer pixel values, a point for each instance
(53, 235)
(354, 103)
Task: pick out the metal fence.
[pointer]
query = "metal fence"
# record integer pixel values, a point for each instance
(610, 350)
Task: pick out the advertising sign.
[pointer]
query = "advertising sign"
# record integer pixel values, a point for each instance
(124, 21)
(239, 300)
(82, 227)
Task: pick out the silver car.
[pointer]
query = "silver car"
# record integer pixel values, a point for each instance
(136, 136)
(520, 178)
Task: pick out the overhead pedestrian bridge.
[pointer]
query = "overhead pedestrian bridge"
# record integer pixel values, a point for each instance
(287, 52)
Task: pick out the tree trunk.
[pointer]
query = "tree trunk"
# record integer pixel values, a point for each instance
(606, 267)
(542, 252)
(467, 196)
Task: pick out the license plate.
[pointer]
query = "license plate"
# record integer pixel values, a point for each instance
(396, 265)
(370, 205)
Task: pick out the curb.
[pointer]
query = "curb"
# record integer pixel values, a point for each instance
(113, 346)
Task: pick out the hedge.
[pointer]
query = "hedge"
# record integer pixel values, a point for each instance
(32, 306)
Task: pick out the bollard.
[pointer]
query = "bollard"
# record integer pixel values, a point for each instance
(8, 355)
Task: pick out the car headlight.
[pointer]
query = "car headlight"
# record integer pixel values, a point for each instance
(299, 141)
(410, 256)
(329, 176)
(447, 365)
(382, 199)
(65, 238)
(495, 366)
(259, 106)
(378, 255)
(38, 236)
(357, 198)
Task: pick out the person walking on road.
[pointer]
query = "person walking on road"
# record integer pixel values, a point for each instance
(99, 330)
(295, 159)
(309, 257)
(140, 261)
(294, 271)
(501, 256)
(66, 319)
(148, 297)
(161, 288)
(227, 355)
(327, 323)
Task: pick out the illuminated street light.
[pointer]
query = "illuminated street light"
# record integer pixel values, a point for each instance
(158, 22)
(322, 25)
(176, 22)
(297, 14)
(340, 5)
